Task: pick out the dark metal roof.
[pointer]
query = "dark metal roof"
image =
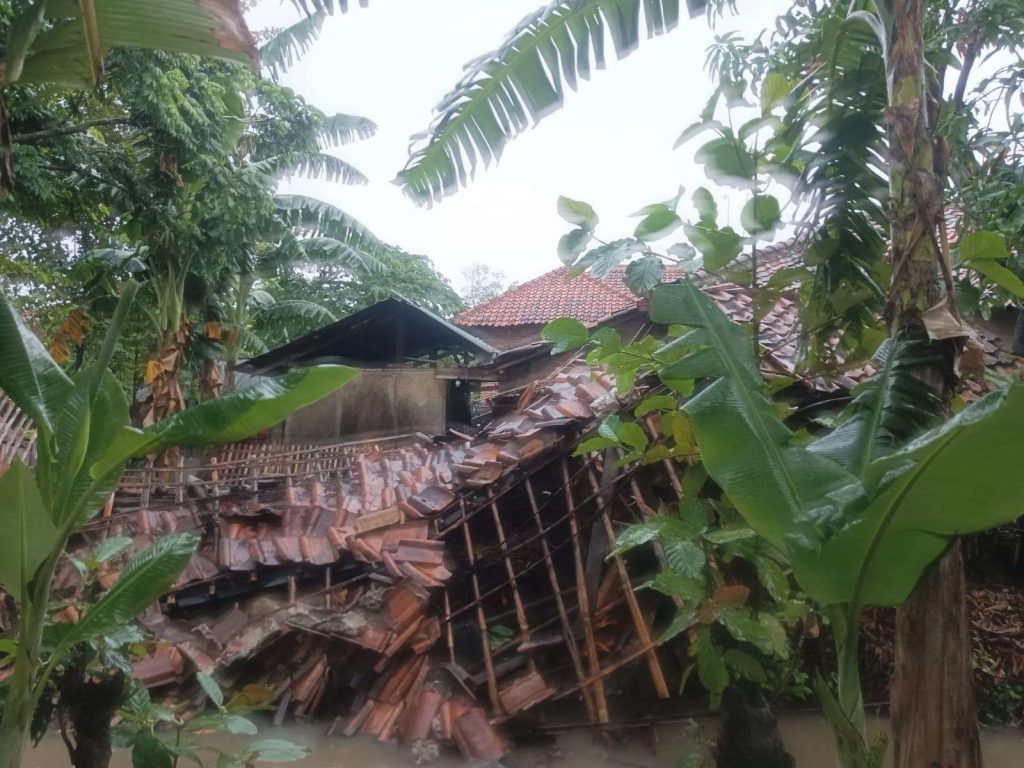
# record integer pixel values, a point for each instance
(390, 331)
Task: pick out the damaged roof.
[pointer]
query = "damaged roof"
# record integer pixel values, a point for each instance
(390, 331)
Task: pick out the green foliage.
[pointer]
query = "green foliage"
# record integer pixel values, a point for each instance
(502, 92)
(68, 49)
(84, 441)
(151, 747)
(565, 334)
(734, 634)
(860, 539)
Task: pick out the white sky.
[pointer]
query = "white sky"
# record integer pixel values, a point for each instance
(611, 145)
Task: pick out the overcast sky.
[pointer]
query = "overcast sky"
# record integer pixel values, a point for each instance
(611, 145)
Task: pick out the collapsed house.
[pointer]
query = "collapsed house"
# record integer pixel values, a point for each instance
(427, 584)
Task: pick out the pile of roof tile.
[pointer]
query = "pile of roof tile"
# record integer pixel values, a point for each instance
(384, 537)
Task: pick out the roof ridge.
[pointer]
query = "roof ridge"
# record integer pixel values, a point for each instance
(504, 295)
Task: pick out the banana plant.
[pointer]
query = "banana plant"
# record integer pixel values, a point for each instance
(84, 442)
(860, 513)
(62, 42)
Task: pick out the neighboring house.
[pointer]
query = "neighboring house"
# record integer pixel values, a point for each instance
(515, 318)
(512, 322)
(416, 372)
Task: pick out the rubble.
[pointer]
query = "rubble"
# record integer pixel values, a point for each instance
(434, 590)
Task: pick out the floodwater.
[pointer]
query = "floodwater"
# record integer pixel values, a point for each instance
(668, 746)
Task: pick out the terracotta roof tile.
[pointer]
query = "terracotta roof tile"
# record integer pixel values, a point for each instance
(557, 294)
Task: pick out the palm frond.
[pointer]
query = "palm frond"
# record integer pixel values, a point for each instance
(503, 92)
(887, 411)
(320, 165)
(297, 309)
(842, 191)
(332, 252)
(250, 343)
(281, 52)
(325, 6)
(339, 129)
(310, 217)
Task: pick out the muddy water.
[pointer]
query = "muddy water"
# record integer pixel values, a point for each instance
(806, 736)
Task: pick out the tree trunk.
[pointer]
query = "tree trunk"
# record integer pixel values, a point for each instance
(934, 717)
(91, 704)
(163, 374)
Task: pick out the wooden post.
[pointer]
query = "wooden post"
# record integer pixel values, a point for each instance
(517, 600)
(481, 619)
(563, 615)
(586, 618)
(642, 630)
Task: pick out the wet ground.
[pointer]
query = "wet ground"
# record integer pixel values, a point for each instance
(668, 746)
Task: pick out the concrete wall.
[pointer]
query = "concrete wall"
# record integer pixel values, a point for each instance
(374, 404)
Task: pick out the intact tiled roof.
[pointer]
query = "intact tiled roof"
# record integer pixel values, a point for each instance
(558, 294)
(589, 299)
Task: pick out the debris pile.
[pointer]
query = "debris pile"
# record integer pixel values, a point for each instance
(427, 593)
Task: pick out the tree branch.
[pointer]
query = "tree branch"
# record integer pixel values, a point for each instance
(67, 130)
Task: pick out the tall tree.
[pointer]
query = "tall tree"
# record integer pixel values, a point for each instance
(481, 283)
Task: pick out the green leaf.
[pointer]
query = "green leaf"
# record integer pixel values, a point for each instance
(572, 244)
(277, 751)
(711, 669)
(999, 275)
(21, 34)
(751, 127)
(659, 221)
(761, 215)
(744, 626)
(730, 535)
(683, 620)
(286, 47)
(717, 246)
(29, 376)
(771, 575)
(502, 93)
(660, 528)
(777, 642)
(610, 427)
(672, 584)
(60, 54)
(633, 435)
(577, 213)
(774, 91)
(234, 416)
(149, 752)
(920, 497)
(745, 666)
(707, 208)
(595, 444)
(983, 245)
(604, 258)
(210, 687)
(695, 129)
(727, 161)
(744, 446)
(111, 547)
(655, 403)
(145, 577)
(644, 274)
(29, 535)
(565, 334)
(225, 722)
(887, 410)
(685, 558)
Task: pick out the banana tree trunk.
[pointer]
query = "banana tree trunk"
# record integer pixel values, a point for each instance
(163, 374)
(933, 709)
